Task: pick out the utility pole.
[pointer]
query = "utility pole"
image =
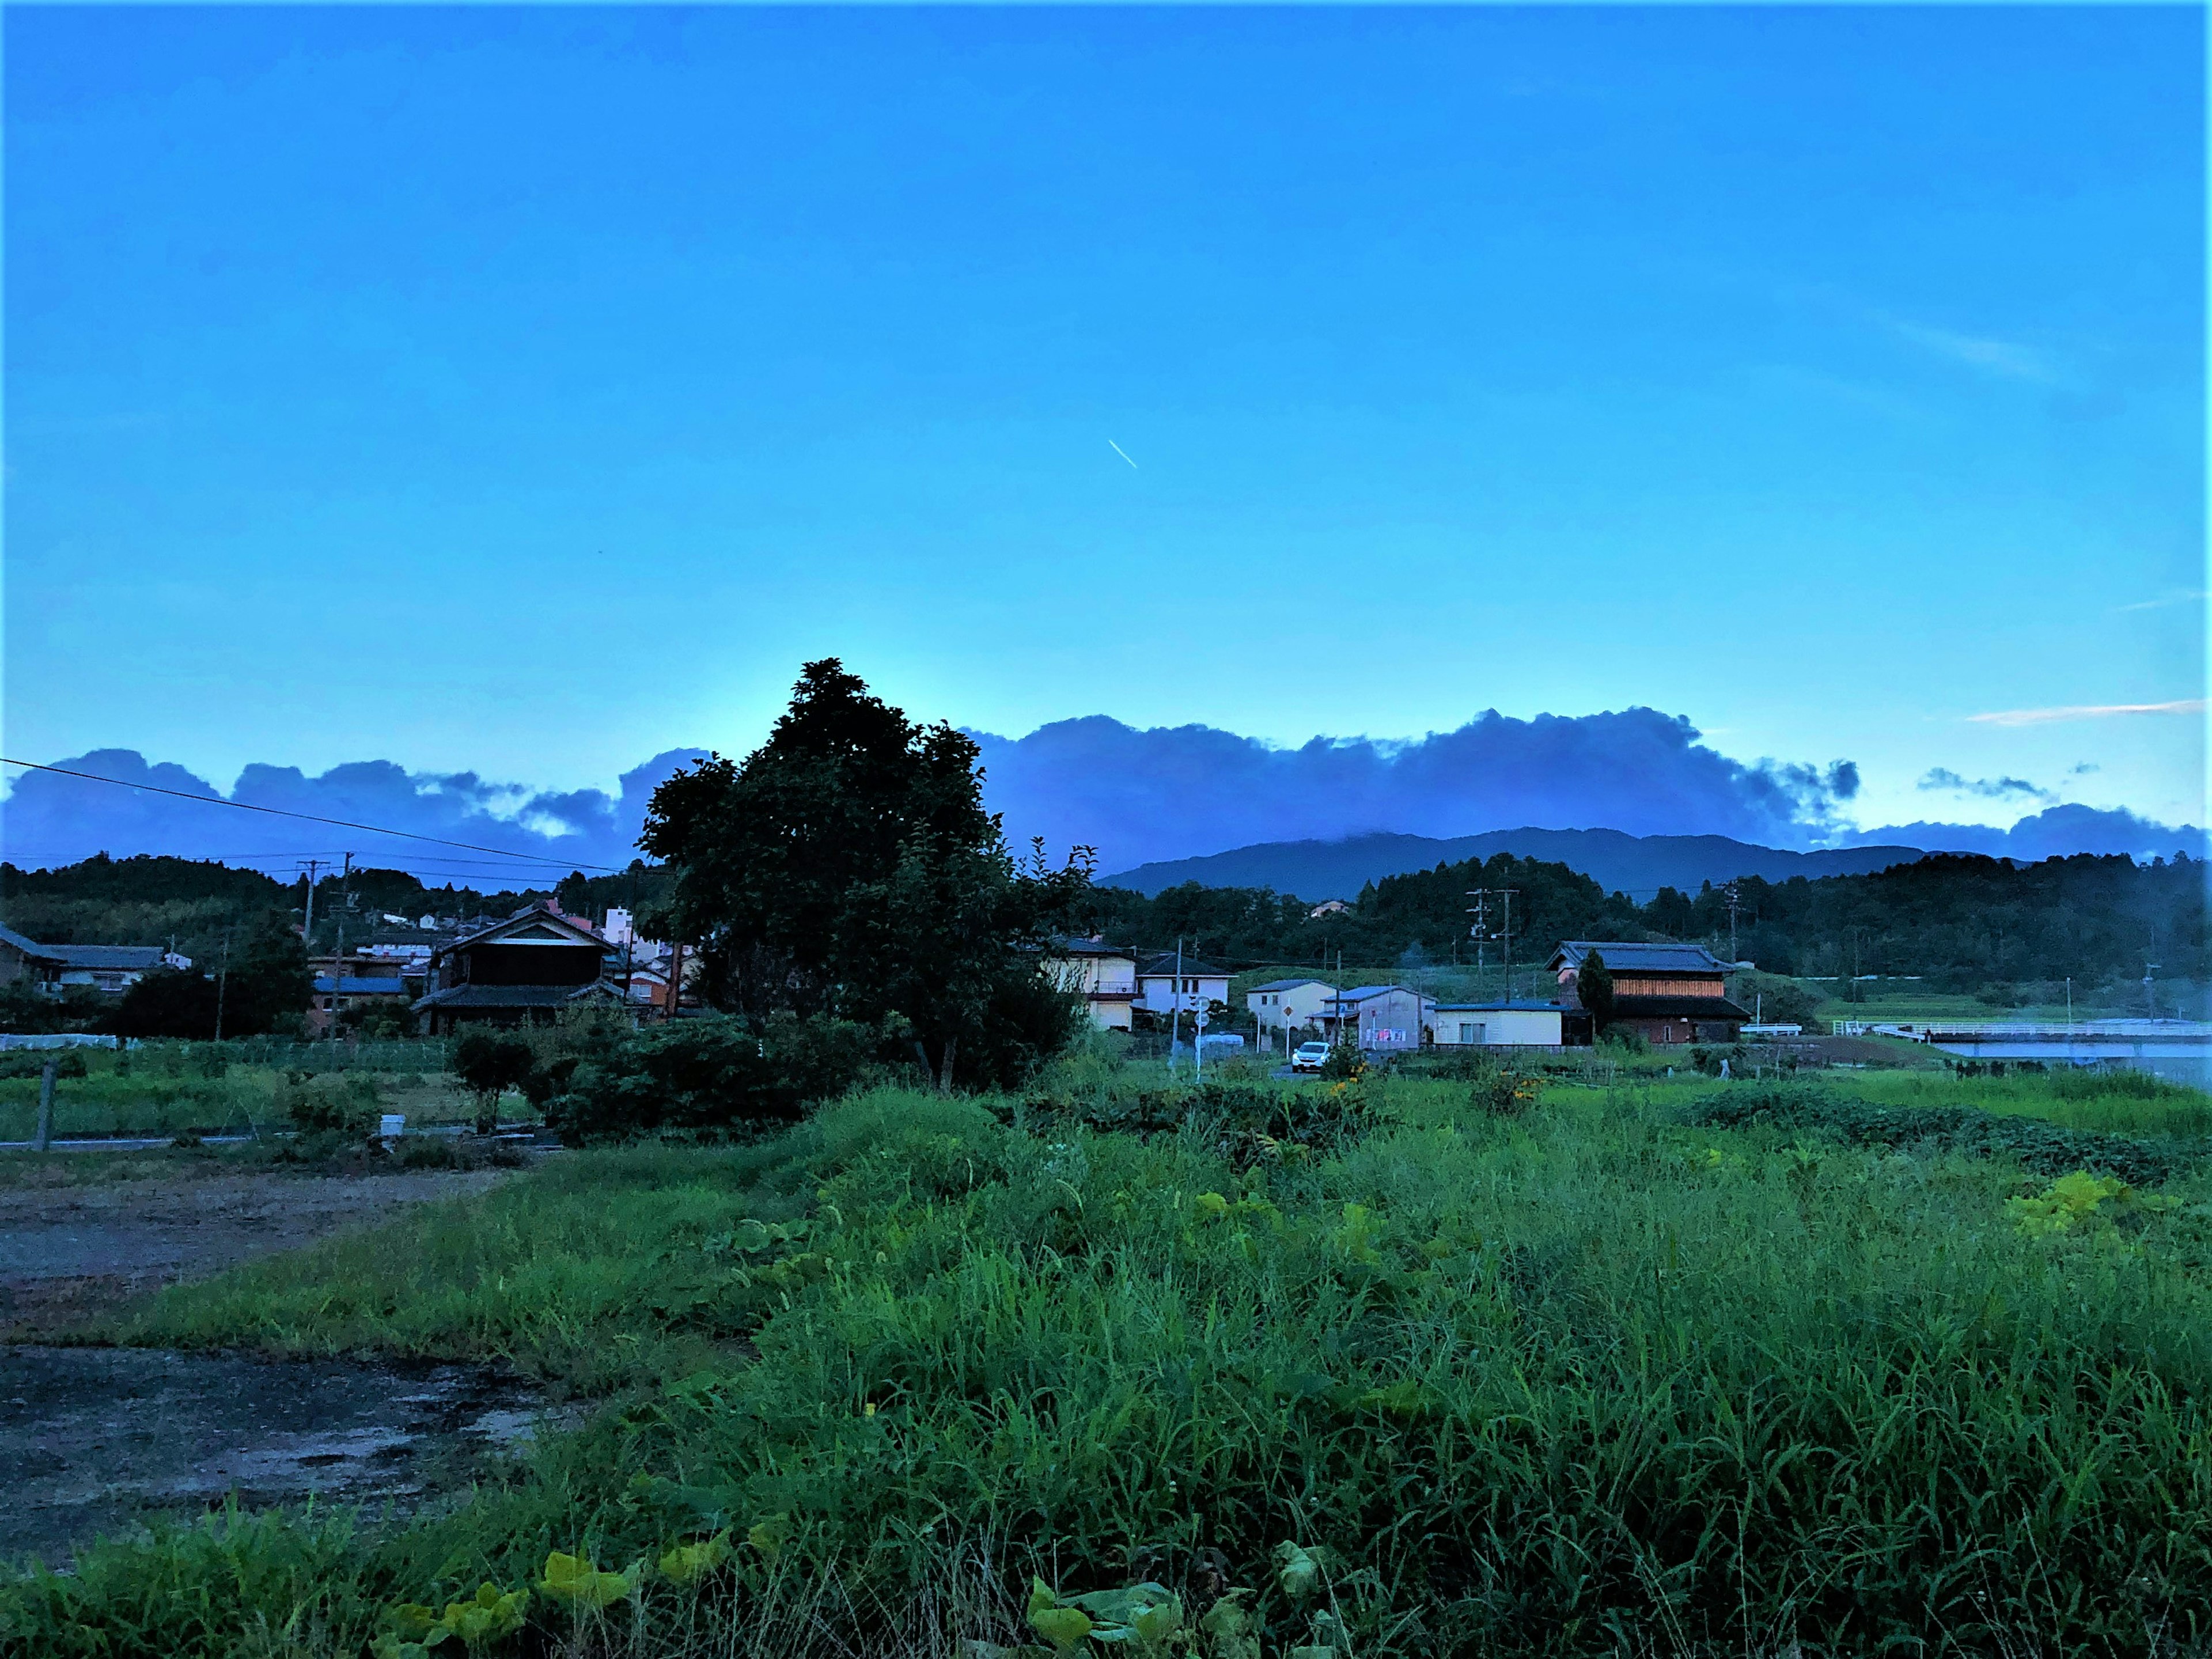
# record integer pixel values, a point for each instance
(1481, 933)
(307, 929)
(337, 962)
(1734, 901)
(1175, 1018)
(222, 984)
(2150, 990)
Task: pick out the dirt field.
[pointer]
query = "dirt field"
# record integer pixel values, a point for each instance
(69, 1249)
(93, 1439)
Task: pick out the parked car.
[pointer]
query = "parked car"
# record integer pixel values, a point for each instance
(1308, 1056)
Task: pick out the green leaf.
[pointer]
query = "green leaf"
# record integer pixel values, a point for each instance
(1300, 1572)
(1064, 1627)
(687, 1562)
(574, 1579)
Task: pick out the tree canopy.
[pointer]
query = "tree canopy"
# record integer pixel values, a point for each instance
(847, 867)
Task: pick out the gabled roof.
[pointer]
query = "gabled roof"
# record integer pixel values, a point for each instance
(1091, 947)
(108, 958)
(1502, 1008)
(534, 927)
(1623, 956)
(1164, 966)
(1291, 985)
(1367, 993)
(112, 958)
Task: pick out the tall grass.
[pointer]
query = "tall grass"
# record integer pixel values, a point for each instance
(1574, 1382)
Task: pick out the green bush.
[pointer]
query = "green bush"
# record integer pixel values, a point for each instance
(343, 1103)
(715, 1077)
(2046, 1148)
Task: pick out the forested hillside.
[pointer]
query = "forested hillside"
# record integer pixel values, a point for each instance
(1962, 922)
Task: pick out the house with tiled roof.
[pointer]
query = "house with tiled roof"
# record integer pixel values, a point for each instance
(1664, 992)
(55, 969)
(521, 971)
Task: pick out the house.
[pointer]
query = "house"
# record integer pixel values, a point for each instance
(1665, 993)
(1173, 981)
(363, 983)
(1104, 976)
(1382, 1018)
(1289, 1004)
(522, 971)
(1498, 1025)
(55, 969)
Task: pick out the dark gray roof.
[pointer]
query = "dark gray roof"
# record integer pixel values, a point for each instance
(1091, 947)
(1621, 956)
(1363, 992)
(112, 958)
(521, 920)
(514, 996)
(1292, 985)
(1714, 1008)
(1500, 1008)
(1154, 966)
(126, 958)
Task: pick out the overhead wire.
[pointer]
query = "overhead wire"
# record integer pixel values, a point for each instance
(316, 817)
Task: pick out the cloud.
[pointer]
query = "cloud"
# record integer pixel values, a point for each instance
(2003, 358)
(2055, 832)
(1942, 777)
(49, 819)
(1176, 792)
(2184, 595)
(2100, 711)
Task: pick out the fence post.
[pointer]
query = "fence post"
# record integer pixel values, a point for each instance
(46, 1075)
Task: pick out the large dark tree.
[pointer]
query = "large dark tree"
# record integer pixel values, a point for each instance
(847, 867)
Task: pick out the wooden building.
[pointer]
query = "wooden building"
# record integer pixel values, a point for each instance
(1665, 993)
(522, 971)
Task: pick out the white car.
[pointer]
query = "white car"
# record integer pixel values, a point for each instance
(1308, 1056)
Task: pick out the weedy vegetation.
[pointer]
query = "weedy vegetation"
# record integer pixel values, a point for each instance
(1377, 1366)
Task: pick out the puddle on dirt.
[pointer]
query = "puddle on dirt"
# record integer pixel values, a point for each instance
(92, 1440)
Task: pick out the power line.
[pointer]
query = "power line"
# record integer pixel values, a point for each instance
(313, 817)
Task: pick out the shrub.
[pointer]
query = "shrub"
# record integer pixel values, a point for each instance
(344, 1104)
(489, 1063)
(1345, 1064)
(719, 1076)
(2044, 1148)
(29, 1062)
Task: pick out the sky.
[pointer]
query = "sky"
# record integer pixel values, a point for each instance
(526, 393)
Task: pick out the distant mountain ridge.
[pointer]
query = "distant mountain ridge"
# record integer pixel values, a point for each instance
(1636, 864)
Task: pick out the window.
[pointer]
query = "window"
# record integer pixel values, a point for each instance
(1468, 1033)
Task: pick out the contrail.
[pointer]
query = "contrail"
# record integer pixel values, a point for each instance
(1123, 452)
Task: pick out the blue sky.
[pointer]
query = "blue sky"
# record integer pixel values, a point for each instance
(531, 391)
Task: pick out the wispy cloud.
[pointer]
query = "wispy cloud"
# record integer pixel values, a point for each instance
(1942, 777)
(2096, 711)
(2006, 359)
(2184, 595)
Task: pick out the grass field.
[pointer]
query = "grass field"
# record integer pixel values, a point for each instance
(1424, 1378)
(165, 1089)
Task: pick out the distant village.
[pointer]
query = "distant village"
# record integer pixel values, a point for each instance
(431, 976)
(1664, 993)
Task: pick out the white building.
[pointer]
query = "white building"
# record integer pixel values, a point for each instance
(1293, 1004)
(1104, 976)
(1165, 984)
(1498, 1025)
(1379, 1016)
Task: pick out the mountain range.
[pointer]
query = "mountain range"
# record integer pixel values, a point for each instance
(1636, 864)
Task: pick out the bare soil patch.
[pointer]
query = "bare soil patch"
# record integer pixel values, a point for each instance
(70, 1251)
(96, 1440)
